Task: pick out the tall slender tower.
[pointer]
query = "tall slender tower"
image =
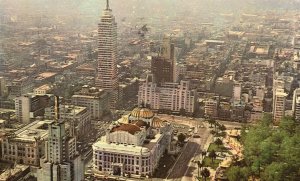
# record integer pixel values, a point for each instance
(107, 78)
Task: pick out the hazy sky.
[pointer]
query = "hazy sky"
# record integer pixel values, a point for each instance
(139, 8)
(124, 7)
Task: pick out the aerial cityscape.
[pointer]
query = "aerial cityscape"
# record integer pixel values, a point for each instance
(154, 90)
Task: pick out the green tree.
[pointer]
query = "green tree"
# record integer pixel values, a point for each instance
(273, 153)
(182, 112)
(213, 132)
(288, 124)
(211, 122)
(181, 137)
(200, 165)
(236, 173)
(205, 173)
(203, 154)
(212, 155)
(275, 172)
(218, 142)
(222, 127)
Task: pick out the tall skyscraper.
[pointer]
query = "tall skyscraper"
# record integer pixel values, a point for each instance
(107, 78)
(163, 66)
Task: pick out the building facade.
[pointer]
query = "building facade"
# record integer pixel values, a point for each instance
(26, 145)
(96, 101)
(61, 161)
(163, 67)
(169, 96)
(29, 106)
(79, 116)
(211, 107)
(279, 103)
(132, 145)
(107, 77)
(20, 86)
(3, 88)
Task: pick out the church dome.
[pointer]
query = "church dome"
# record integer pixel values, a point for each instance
(158, 123)
(142, 113)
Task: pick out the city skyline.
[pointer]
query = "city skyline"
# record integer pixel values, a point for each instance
(164, 90)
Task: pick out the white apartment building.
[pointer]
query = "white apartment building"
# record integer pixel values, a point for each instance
(279, 105)
(97, 104)
(168, 96)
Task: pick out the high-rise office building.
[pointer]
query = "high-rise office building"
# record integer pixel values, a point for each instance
(163, 66)
(279, 103)
(107, 78)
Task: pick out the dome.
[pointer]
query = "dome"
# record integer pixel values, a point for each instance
(142, 113)
(158, 123)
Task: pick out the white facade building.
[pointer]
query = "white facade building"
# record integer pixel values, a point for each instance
(107, 78)
(296, 104)
(279, 105)
(168, 96)
(26, 145)
(133, 145)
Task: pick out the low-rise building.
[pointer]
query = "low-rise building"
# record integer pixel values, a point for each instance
(97, 101)
(211, 108)
(43, 89)
(26, 145)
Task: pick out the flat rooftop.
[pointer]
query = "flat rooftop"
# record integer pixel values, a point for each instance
(43, 87)
(33, 130)
(126, 149)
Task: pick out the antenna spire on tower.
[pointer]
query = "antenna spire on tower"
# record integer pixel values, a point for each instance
(107, 4)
